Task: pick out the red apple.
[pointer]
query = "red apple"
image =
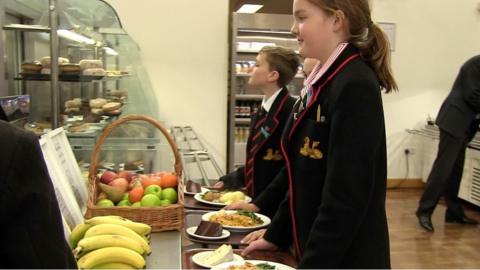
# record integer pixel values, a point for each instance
(120, 183)
(127, 175)
(108, 176)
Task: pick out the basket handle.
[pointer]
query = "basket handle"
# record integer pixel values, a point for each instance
(113, 125)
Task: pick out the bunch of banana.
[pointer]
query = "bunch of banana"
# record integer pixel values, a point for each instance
(110, 242)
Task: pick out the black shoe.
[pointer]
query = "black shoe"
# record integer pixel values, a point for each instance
(462, 219)
(425, 221)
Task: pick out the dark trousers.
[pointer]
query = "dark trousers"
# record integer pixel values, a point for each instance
(446, 173)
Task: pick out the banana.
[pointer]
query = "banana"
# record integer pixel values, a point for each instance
(140, 228)
(115, 229)
(106, 240)
(109, 255)
(113, 265)
(78, 233)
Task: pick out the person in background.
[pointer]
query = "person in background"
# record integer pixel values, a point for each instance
(458, 121)
(275, 67)
(308, 65)
(31, 223)
(334, 144)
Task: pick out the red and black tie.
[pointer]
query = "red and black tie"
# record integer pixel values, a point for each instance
(254, 142)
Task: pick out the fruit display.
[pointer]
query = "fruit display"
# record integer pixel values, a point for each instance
(110, 242)
(127, 189)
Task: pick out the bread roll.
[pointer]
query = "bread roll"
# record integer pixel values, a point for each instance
(96, 111)
(31, 67)
(113, 113)
(70, 68)
(111, 106)
(94, 72)
(97, 103)
(90, 63)
(46, 61)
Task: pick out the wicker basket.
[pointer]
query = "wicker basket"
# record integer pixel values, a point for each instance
(160, 218)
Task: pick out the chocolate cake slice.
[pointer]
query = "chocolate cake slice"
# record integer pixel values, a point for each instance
(207, 228)
(193, 187)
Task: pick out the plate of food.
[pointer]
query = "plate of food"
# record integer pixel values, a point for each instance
(222, 198)
(252, 265)
(207, 230)
(240, 220)
(222, 254)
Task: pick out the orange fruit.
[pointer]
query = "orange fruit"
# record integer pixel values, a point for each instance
(169, 180)
(148, 181)
(136, 194)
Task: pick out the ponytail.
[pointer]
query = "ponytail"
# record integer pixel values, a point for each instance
(375, 50)
(368, 37)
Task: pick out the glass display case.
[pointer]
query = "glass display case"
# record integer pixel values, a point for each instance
(99, 77)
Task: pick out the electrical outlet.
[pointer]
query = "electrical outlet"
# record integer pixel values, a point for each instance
(409, 151)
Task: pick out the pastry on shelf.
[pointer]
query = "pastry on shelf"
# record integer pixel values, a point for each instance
(46, 61)
(94, 72)
(111, 106)
(113, 73)
(113, 113)
(31, 67)
(73, 106)
(70, 69)
(91, 64)
(97, 103)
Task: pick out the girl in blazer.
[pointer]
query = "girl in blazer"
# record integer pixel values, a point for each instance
(275, 67)
(334, 143)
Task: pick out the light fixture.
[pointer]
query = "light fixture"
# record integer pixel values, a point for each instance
(249, 8)
(110, 51)
(75, 37)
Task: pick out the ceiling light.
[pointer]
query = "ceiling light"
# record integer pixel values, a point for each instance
(249, 8)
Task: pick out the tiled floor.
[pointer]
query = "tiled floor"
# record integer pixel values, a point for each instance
(450, 246)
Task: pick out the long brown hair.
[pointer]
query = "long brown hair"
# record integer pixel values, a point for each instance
(366, 36)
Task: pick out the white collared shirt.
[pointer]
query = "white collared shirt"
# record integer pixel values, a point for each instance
(267, 104)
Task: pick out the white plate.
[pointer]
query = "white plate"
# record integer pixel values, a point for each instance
(278, 266)
(193, 193)
(265, 219)
(198, 258)
(191, 231)
(198, 197)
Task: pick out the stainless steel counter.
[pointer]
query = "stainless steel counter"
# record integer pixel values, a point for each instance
(166, 251)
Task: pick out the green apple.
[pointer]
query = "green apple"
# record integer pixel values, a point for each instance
(136, 204)
(153, 189)
(150, 200)
(169, 194)
(105, 203)
(125, 196)
(165, 202)
(124, 203)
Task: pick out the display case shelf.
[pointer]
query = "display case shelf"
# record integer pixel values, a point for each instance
(68, 78)
(27, 28)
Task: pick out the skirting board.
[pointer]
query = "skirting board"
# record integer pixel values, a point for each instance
(405, 183)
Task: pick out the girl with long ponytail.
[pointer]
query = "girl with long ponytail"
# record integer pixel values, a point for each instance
(334, 145)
